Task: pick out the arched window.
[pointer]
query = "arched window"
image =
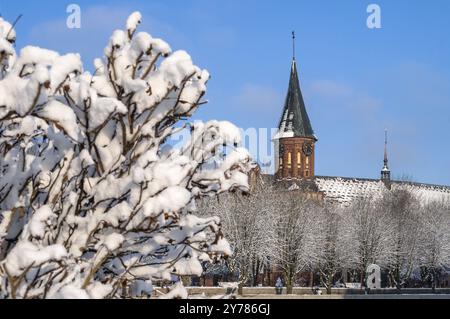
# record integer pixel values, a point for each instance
(289, 159)
(299, 160)
(307, 173)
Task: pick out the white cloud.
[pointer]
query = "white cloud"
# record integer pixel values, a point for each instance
(330, 88)
(258, 98)
(341, 95)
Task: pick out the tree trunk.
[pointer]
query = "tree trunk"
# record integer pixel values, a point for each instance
(289, 288)
(329, 283)
(363, 284)
(186, 280)
(288, 279)
(243, 279)
(241, 289)
(255, 274)
(433, 281)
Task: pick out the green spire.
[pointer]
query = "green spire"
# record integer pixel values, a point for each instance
(294, 120)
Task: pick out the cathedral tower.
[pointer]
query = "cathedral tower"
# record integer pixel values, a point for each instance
(295, 140)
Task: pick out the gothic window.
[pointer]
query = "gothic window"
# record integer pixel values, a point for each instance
(289, 160)
(307, 162)
(299, 160)
(281, 162)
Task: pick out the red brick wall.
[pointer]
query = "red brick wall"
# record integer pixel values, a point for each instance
(294, 145)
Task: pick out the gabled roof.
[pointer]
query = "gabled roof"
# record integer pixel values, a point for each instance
(346, 189)
(294, 121)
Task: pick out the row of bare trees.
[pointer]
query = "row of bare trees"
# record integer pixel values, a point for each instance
(408, 236)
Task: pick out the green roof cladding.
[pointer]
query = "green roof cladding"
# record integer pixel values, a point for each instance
(294, 121)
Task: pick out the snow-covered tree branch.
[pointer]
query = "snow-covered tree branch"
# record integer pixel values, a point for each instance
(93, 199)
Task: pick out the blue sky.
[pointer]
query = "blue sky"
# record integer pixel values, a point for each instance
(356, 81)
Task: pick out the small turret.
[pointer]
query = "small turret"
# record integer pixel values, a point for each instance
(385, 172)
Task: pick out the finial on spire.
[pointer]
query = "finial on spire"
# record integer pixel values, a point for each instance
(385, 148)
(293, 45)
(385, 172)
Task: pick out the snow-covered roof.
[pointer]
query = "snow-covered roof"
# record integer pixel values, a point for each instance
(346, 189)
(427, 192)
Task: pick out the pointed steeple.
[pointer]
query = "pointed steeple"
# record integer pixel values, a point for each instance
(385, 172)
(294, 142)
(294, 121)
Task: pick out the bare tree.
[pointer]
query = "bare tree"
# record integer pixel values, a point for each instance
(367, 232)
(400, 232)
(93, 200)
(296, 227)
(248, 225)
(434, 251)
(403, 220)
(333, 251)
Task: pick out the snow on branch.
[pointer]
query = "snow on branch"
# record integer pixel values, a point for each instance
(93, 200)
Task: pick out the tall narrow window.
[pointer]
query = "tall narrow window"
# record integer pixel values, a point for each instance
(289, 160)
(299, 160)
(307, 162)
(281, 162)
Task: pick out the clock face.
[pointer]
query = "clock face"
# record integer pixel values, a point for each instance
(281, 149)
(307, 149)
